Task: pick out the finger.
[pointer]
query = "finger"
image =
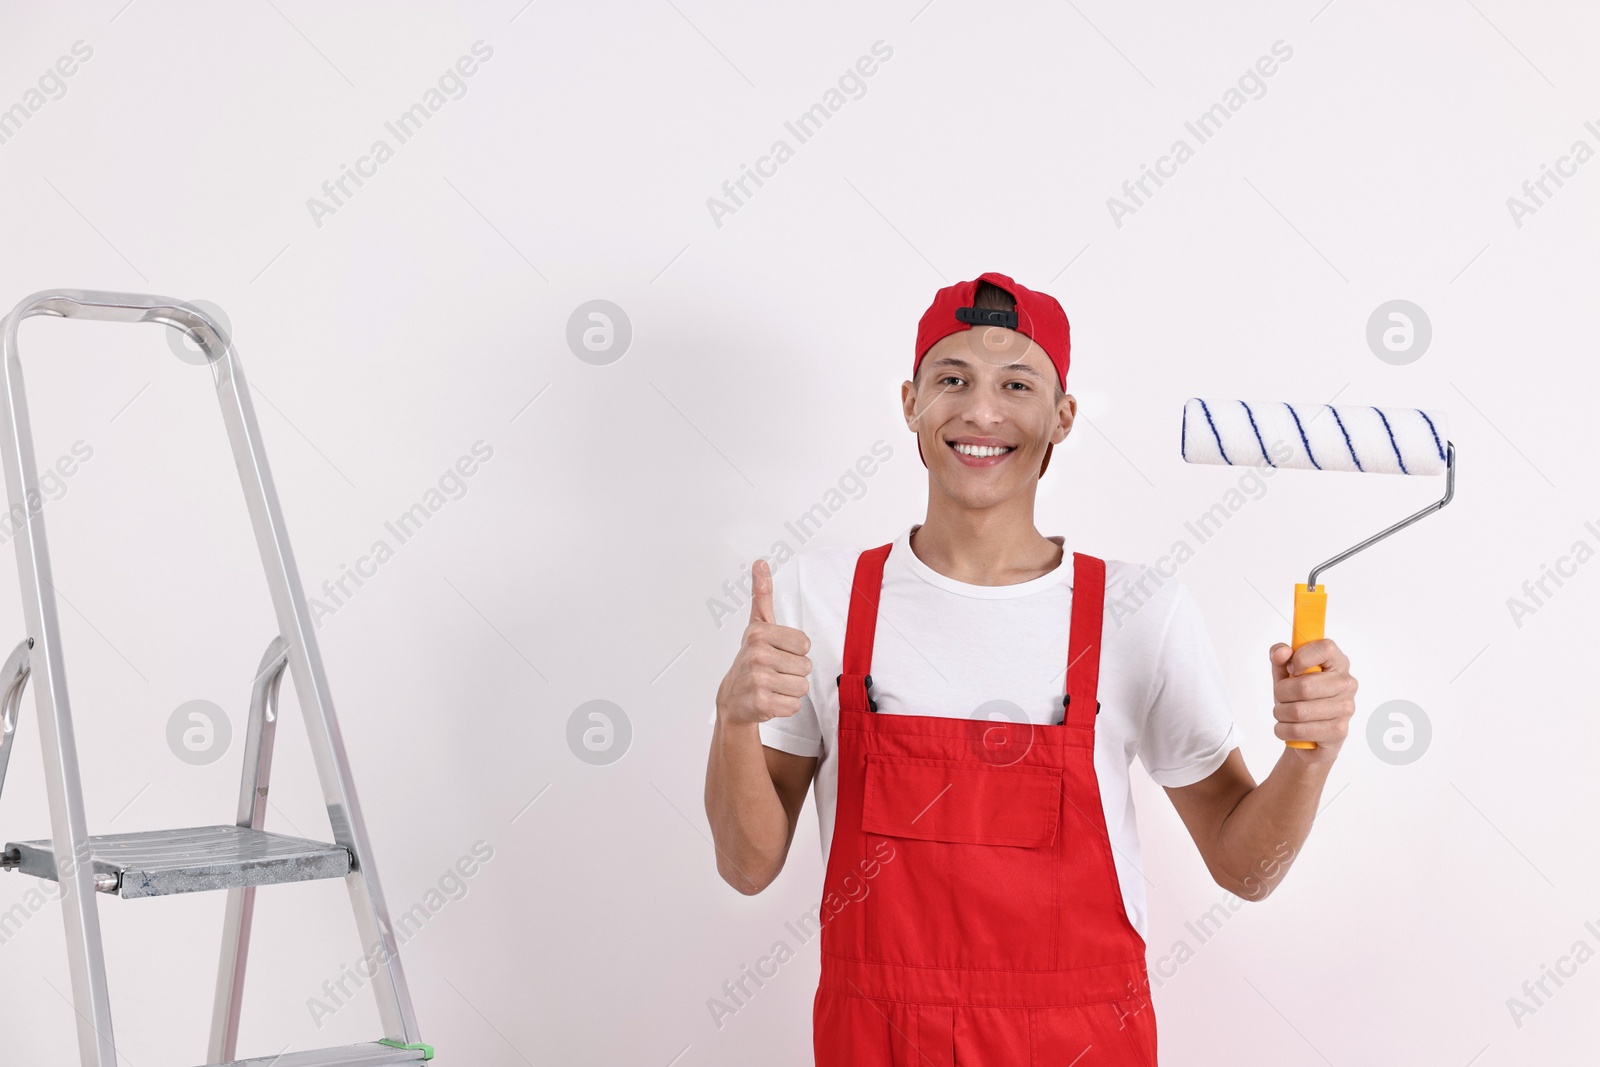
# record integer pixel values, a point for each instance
(1313, 686)
(773, 705)
(760, 591)
(1277, 657)
(1322, 731)
(1314, 710)
(773, 658)
(785, 638)
(789, 685)
(1319, 653)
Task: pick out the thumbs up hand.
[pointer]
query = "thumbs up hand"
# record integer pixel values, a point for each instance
(769, 674)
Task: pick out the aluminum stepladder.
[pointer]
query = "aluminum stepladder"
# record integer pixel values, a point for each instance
(238, 857)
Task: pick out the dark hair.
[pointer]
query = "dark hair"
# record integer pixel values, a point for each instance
(991, 296)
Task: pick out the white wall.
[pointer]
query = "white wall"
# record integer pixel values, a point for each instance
(431, 307)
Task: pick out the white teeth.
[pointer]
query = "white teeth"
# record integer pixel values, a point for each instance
(980, 450)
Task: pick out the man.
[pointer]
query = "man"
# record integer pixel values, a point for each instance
(970, 721)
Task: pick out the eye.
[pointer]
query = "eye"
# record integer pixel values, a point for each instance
(1026, 387)
(949, 378)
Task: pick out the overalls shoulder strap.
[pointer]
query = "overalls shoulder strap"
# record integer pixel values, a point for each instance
(861, 629)
(1083, 644)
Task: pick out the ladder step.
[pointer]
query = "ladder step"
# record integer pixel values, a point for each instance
(156, 863)
(370, 1054)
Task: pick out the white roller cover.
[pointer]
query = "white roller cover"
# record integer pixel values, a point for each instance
(1328, 437)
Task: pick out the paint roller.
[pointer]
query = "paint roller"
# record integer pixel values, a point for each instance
(1321, 437)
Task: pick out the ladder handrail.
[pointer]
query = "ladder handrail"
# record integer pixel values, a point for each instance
(238, 917)
(121, 307)
(13, 677)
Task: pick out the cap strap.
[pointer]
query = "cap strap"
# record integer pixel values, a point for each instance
(987, 317)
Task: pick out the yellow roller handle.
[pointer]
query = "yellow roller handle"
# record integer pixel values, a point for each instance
(1310, 612)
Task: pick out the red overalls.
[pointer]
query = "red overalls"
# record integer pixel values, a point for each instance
(971, 911)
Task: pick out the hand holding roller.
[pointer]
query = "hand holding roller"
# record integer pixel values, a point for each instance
(1321, 437)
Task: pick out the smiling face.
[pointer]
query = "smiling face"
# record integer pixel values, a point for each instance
(985, 403)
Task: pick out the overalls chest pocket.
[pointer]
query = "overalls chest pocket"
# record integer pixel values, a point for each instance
(975, 843)
(961, 801)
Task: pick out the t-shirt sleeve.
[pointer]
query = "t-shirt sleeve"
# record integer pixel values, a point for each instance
(799, 734)
(1189, 729)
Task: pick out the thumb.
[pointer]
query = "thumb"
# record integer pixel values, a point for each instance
(1280, 655)
(761, 592)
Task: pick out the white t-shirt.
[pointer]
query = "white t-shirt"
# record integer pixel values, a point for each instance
(944, 647)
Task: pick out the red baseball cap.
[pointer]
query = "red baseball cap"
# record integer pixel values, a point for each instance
(1039, 316)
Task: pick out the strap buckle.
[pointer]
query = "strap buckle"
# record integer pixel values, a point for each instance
(1066, 704)
(871, 704)
(987, 317)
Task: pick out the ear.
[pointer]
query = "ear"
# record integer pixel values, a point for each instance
(1067, 413)
(908, 403)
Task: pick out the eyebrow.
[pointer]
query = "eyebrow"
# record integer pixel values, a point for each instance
(951, 361)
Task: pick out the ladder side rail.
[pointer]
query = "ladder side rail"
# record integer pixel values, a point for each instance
(378, 940)
(63, 785)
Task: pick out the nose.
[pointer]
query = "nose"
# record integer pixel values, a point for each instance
(982, 408)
